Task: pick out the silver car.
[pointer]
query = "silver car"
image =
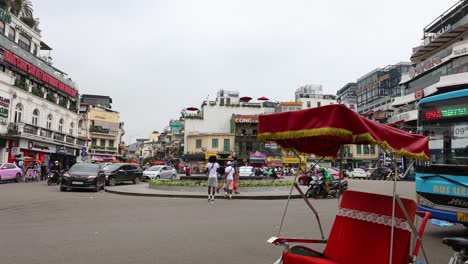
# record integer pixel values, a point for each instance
(160, 172)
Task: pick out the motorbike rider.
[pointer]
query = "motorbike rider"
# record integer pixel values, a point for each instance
(326, 176)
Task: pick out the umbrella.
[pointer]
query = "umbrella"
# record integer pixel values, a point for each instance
(245, 99)
(263, 98)
(323, 130)
(192, 108)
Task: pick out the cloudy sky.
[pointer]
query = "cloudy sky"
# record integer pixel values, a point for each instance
(156, 57)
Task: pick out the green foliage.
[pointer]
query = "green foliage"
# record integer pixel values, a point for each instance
(21, 8)
(30, 21)
(205, 184)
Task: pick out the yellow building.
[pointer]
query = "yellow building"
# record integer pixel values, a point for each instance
(103, 130)
(210, 143)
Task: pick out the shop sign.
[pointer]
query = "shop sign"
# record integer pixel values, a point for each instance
(377, 81)
(441, 31)
(257, 155)
(291, 160)
(419, 94)
(36, 146)
(246, 120)
(36, 72)
(65, 150)
(15, 151)
(425, 67)
(4, 109)
(5, 16)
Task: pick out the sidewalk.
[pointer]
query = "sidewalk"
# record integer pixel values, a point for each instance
(143, 190)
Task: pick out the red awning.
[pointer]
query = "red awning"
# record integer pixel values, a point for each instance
(323, 130)
(192, 108)
(263, 98)
(245, 99)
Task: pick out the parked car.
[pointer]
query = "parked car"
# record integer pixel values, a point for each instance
(160, 172)
(359, 173)
(246, 171)
(9, 171)
(304, 178)
(83, 176)
(122, 172)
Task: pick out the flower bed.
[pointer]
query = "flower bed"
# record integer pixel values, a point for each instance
(193, 186)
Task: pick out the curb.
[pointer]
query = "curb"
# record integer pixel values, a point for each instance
(198, 196)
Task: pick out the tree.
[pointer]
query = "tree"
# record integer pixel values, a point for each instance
(21, 8)
(5, 4)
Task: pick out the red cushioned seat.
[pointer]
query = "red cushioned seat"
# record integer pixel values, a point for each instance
(361, 232)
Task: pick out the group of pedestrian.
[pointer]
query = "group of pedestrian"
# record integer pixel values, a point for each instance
(228, 185)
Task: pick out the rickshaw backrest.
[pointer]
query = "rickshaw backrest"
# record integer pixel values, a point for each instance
(362, 229)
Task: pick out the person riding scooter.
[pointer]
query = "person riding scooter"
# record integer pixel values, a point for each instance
(326, 176)
(54, 174)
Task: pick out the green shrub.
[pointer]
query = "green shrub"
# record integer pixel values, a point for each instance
(205, 184)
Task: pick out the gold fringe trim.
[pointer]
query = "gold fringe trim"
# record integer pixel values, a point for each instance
(341, 133)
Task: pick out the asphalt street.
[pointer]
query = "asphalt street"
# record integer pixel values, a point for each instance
(40, 224)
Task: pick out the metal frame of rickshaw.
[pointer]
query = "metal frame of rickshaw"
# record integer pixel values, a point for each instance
(416, 235)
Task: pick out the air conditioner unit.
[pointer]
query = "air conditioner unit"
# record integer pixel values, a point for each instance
(204, 149)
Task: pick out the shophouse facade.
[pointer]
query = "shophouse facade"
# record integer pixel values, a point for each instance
(38, 102)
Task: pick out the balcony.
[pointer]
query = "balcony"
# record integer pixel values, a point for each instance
(59, 137)
(28, 129)
(46, 133)
(70, 140)
(100, 130)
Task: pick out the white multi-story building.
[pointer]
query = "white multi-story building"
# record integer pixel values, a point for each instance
(38, 102)
(311, 95)
(214, 118)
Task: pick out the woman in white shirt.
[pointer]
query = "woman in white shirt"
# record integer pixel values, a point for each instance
(212, 170)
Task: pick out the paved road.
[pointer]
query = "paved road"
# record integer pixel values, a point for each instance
(39, 224)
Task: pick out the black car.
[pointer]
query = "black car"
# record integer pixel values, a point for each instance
(121, 172)
(83, 176)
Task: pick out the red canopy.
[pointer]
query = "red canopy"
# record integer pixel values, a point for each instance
(245, 99)
(323, 130)
(263, 98)
(192, 108)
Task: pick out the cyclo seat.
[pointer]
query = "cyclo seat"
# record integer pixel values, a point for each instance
(457, 243)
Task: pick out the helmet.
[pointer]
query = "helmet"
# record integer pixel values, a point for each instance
(56, 162)
(228, 163)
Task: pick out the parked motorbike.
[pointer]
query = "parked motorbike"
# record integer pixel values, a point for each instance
(318, 190)
(381, 174)
(54, 177)
(460, 248)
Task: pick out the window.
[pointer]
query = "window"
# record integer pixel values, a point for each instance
(24, 42)
(2, 27)
(103, 142)
(72, 126)
(214, 143)
(227, 144)
(80, 124)
(49, 122)
(11, 33)
(93, 142)
(198, 143)
(372, 149)
(308, 104)
(111, 143)
(358, 149)
(18, 113)
(318, 104)
(60, 127)
(35, 117)
(366, 149)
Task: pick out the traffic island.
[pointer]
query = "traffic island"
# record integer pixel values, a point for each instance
(280, 190)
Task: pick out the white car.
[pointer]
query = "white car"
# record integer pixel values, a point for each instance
(160, 172)
(246, 171)
(358, 173)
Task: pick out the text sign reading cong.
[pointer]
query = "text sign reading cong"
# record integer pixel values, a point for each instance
(446, 112)
(34, 71)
